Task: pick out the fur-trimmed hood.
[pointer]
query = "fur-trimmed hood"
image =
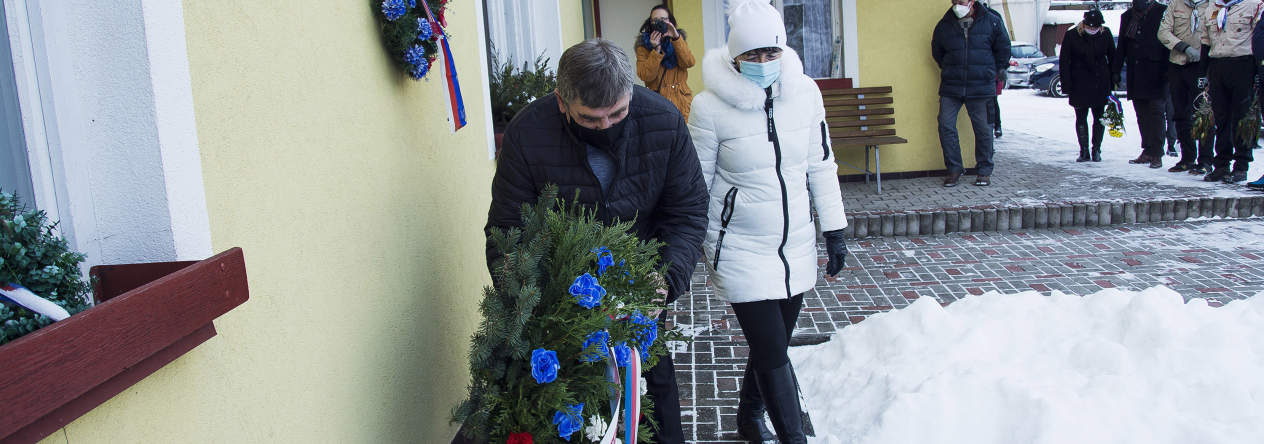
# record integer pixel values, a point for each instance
(721, 78)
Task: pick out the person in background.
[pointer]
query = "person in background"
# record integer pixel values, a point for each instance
(1180, 33)
(1146, 57)
(623, 153)
(760, 131)
(663, 58)
(1087, 52)
(1257, 46)
(971, 47)
(1227, 47)
(1169, 121)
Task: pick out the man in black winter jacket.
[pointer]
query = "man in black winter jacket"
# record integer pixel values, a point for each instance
(628, 152)
(971, 47)
(1147, 59)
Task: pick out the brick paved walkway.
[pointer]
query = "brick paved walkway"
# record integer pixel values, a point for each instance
(1216, 260)
(1018, 181)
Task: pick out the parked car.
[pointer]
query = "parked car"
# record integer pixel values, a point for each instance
(1022, 55)
(1046, 76)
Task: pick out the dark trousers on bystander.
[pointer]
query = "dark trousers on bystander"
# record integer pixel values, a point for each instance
(1183, 86)
(977, 109)
(1232, 85)
(1152, 124)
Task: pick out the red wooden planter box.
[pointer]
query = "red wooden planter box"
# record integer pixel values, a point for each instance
(146, 316)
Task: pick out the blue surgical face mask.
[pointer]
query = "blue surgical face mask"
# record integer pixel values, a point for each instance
(763, 74)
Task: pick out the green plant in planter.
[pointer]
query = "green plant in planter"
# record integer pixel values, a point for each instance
(512, 89)
(32, 256)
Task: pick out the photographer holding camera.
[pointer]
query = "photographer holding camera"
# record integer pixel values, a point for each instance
(663, 58)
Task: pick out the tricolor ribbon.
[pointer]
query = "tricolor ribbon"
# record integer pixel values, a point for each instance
(628, 400)
(1114, 102)
(456, 105)
(16, 294)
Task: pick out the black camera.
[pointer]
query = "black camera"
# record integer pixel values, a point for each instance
(660, 26)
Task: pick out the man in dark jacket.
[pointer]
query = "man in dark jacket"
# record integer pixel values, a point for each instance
(1147, 59)
(971, 47)
(629, 154)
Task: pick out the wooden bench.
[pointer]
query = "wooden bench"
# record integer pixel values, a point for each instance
(862, 117)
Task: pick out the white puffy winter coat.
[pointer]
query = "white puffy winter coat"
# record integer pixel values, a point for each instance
(761, 240)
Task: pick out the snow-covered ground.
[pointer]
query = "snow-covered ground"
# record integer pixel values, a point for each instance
(1028, 114)
(1112, 367)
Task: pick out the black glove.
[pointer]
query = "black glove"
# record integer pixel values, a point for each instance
(835, 251)
(1202, 82)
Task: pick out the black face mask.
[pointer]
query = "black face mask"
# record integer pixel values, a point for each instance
(600, 138)
(1140, 4)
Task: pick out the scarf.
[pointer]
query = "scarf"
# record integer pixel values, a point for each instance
(669, 53)
(1223, 19)
(1137, 18)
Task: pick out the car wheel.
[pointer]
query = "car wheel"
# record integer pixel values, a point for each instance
(1055, 87)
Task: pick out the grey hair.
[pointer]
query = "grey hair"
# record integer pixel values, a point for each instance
(596, 72)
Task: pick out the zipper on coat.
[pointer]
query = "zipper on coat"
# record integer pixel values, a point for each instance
(825, 141)
(726, 214)
(785, 204)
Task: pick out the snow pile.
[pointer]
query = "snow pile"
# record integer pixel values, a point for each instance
(1113, 367)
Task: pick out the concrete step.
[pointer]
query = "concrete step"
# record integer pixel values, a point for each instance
(1050, 215)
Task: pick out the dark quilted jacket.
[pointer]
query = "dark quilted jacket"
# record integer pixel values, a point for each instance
(969, 64)
(658, 180)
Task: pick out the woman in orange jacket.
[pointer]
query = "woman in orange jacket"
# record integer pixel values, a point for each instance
(663, 58)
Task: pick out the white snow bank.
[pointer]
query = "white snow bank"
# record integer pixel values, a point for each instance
(1113, 367)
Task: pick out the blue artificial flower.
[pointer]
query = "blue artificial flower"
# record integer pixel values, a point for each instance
(394, 9)
(604, 259)
(424, 30)
(568, 420)
(599, 338)
(416, 56)
(622, 354)
(412, 3)
(544, 365)
(588, 291)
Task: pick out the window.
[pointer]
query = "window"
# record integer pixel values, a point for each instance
(15, 169)
(1025, 52)
(812, 29)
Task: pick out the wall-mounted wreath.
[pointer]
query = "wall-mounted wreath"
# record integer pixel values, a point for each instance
(412, 32)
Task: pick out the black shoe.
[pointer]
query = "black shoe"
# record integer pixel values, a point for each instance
(1180, 167)
(1171, 151)
(1097, 154)
(1142, 159)
(1216, 175)
(1198, 169)
(750, 411)
(1235, 177)
(781, 398)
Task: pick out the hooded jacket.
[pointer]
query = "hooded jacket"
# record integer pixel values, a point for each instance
(970, 61)
(656, 184)
(764, 176)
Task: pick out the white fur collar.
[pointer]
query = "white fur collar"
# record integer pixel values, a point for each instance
(719, 77)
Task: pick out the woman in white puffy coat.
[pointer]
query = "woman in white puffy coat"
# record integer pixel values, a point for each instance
(760, 131)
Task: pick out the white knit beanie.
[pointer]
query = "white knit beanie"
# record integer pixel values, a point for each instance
(754, 24)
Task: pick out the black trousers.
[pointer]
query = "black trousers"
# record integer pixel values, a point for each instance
(1232, 85)
(1170, 112)
(1081, 119)
(1152, 125)
(1182, 84)
(768, 326)
(994, 114)
(661, 388)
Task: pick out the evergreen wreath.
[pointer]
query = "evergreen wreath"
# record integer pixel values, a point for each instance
(570, 295)
(410, 35)
(32, 256)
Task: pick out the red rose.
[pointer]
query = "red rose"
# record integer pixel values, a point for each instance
(520, 438)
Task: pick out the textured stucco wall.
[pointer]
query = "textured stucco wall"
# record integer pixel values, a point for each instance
(361, 218)
(895, 51)
(572, 21)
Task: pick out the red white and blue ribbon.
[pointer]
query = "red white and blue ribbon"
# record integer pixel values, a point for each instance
(456, 105)
(16, 294)
(632, 398)
(1114, 102)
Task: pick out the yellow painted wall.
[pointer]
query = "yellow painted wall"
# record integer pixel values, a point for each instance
(895, 51)
(361, 218)
(689, 16)
(572, 20)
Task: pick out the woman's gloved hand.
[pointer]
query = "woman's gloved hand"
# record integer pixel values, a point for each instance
(835, 251)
